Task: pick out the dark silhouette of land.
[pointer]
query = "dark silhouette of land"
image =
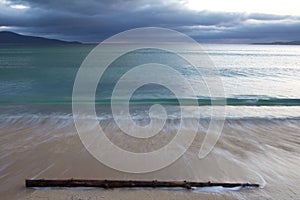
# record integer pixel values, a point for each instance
(11, 38)
(281, 43)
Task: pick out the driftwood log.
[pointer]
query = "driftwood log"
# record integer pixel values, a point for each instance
(129, 183)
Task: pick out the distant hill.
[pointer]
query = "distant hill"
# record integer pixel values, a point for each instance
(11, 38)
(281, 43)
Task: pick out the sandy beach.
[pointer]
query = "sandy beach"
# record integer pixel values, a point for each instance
(248, 151)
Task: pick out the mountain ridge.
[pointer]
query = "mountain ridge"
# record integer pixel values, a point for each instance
(12, 38)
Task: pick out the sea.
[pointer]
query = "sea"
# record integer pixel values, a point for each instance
(259, 142)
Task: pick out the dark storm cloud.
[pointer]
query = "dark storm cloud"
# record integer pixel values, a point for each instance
(92, 20)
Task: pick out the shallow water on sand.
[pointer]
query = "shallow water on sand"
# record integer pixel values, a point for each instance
(264, 151)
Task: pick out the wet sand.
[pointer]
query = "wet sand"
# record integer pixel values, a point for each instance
(248, 151)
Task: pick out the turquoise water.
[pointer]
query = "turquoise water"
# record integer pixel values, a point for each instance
(253, 75)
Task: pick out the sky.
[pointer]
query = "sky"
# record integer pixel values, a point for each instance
(224, 21)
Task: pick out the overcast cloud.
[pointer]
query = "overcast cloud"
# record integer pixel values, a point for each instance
(93, 21)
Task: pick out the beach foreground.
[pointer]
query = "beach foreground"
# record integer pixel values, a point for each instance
(249, 150)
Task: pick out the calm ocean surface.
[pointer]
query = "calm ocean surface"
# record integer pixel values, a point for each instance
(262, 129)
(253, 75)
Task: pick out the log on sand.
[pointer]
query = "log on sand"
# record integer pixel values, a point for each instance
(130, 183)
